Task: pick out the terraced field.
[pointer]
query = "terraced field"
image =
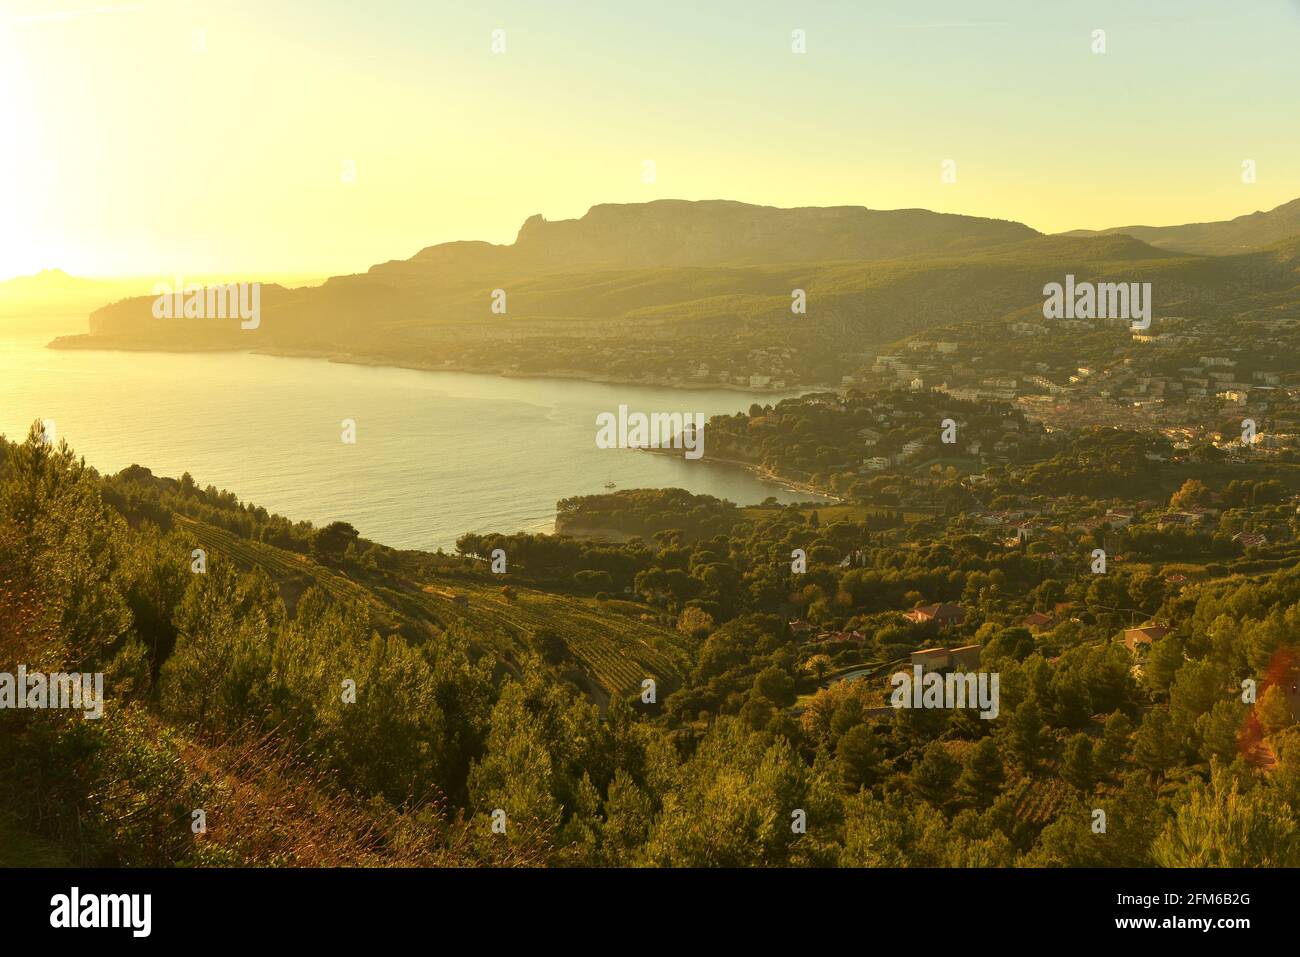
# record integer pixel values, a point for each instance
(1040, 800)
(615, 651)
(277, 562)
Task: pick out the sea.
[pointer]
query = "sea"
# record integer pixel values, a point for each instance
(436, 454)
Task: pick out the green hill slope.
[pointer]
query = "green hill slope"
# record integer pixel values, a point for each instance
(608, 652)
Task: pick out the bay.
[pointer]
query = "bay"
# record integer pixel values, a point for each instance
(437, 454)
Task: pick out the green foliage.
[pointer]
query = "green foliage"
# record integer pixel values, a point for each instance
(1228, 824)
(384, 708)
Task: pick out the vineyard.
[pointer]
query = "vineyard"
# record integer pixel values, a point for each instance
(1040, 800)
(614, 650)
(277, 562)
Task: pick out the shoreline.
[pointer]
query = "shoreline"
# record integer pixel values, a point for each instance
(763, 475)
(87, 342)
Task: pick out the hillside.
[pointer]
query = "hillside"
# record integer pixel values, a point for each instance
(1246, 233)
(603, 654)
(688, 325)
(619, 269)
(722, 233)
(329, 701)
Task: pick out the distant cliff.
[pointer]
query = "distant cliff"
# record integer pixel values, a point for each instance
(699, 293)
(452, 281)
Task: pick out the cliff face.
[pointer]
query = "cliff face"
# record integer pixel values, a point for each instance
(450, 282)
(719, 232)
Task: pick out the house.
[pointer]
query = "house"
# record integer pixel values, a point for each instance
(1135, 638)
(944, 615)
(910, 449)
(967, 657)
(1038, 622)
(800, 627)
(932, 659)
(1250, 539)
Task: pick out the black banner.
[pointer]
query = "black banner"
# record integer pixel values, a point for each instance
(234, 906)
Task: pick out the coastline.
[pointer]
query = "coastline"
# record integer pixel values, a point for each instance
(85, 341)
(763, 475)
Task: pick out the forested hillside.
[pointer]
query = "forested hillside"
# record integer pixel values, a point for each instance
(686, 696)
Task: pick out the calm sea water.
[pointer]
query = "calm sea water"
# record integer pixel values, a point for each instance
(438, 454)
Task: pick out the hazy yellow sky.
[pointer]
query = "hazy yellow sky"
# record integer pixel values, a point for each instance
(158, 138)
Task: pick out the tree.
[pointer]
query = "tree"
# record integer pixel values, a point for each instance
(756, 713)
(628, 815)
(775, 685)
(1071, 707)
(1155, 746)
(695, 622)
(847, 714)
(1192, 494)
(1163, 660)
(1220, 729)
(731, 805)
(1025, 735)
(935, 774)
(818, 665)
(549, 644)
(331, 542)
(1196, 688)
(1114, 745)
(223, 652)
(1133, 818)
(981, 780)
(1076, 766)
(859, 756)
(1017, 643)
(518, 774)
(1273, 710)
(1219, 825)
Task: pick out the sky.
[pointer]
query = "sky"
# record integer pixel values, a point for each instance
(277, 137)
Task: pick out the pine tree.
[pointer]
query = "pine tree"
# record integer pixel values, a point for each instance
(982, 778)
(1077, 767)
(935, 774)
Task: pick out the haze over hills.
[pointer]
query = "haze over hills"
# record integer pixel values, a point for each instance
(721, 232)
(675, 292)
(1243, 234)
(54, 292)
(671, 232)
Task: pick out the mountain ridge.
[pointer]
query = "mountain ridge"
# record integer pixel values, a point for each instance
(700, 292)
(1246, 233)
